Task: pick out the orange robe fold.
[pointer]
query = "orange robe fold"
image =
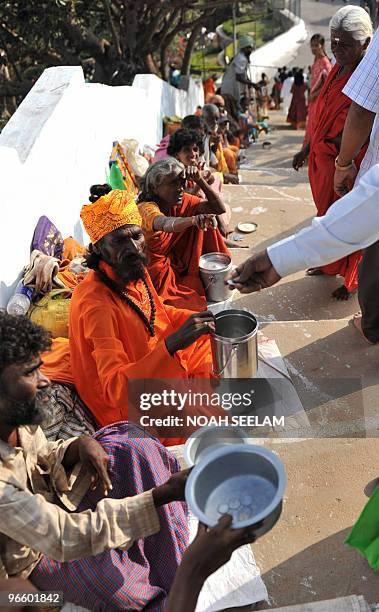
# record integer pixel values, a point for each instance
(174, 259)
(231, 160)
(109, 345)
(331, 113)
(73, 249)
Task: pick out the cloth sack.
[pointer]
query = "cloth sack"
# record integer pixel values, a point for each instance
(137, 162)
(52, 312)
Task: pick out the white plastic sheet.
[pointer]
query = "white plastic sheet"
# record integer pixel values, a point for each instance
(278, 52)
(237, 583)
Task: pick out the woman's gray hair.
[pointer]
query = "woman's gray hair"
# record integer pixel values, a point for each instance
(353, 19)
(157, 172)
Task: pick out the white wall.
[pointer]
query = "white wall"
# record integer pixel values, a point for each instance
(169, 101)
(58, 143)
(278, 52)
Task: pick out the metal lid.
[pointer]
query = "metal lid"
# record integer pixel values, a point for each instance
(247, 228)
(215, 258)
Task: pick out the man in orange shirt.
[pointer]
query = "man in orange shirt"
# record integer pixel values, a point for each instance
(119, 327)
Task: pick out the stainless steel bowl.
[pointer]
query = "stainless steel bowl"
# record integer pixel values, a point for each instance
(243, 480)
(208, 438)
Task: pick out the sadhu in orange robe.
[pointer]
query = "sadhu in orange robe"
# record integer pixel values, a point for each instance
(331, 113)
(173, 258)
(109, 345)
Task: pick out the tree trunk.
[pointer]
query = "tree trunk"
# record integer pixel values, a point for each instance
(163, 62)
(15, 88)
(150, 64)
(186, 65)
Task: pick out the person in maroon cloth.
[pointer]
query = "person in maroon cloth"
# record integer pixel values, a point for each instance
(297, 114)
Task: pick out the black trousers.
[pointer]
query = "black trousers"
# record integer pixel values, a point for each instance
(368, 292)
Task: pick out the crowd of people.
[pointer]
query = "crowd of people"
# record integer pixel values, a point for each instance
(342, 150)
(100, 516)
(92, 505)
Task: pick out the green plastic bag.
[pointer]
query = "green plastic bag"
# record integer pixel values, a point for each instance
(365, 534)
(116, 179)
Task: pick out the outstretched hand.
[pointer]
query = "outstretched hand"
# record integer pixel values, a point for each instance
(172, 490)
(212, 548)
(254, 274)
(209, 551)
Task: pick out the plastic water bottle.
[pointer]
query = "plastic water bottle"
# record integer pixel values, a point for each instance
(20, 301)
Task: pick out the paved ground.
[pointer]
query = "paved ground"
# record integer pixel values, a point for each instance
(333, 369)
(336, 376)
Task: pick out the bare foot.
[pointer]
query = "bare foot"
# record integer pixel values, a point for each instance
(314, 272)
(234, 244)
(342, 293)
(356, 321)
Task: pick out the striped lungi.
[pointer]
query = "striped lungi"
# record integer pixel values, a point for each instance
(140, 578)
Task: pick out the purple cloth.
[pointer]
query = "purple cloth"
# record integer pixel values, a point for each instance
(161, 152)
(47, 239)
(140, 578)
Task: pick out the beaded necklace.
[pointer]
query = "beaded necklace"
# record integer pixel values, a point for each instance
(122, 293)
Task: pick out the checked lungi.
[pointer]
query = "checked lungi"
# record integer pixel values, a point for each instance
(139, 578)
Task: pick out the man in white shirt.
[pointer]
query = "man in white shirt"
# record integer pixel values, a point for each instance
(352, 223)
(236, 79)
(286, 93)
(363, 119)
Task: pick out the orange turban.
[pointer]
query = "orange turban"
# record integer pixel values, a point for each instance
(109, 212)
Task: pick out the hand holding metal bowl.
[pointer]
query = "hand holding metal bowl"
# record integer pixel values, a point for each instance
(242, 480)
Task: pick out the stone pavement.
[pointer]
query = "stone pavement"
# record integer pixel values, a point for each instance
(337, 378)
(334, 371)
(336, 375)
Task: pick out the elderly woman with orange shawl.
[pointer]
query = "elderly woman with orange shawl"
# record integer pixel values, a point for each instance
(178, 229)
(351, 31)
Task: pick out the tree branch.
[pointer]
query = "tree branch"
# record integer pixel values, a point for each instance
(9, 56)
(12, 88)
(165, 35)
(84, 41)
(112, 28)
(13, 34)
(186, 64)
(150, 30)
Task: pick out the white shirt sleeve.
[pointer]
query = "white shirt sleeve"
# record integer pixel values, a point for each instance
(363, 85)
(352, 223)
